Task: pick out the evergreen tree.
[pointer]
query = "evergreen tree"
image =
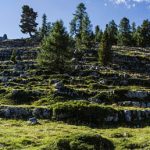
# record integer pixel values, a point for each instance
(81, 28)
(98, 34)
(124, 36)
(104, 52)
(112, 32)
(28, 20)
(5, 37)
(138, 37)
(44, 28)
(145, 34)
(134, 35)
(54, 48)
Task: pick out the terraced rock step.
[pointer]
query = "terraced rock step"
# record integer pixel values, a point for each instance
(80, 112)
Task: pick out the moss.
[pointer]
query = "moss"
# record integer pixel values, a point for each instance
(83, 142)
(81, 112)
(23, 96)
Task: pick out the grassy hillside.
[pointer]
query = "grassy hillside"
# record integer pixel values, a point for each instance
(106, 107)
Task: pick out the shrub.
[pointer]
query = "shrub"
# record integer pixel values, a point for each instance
(81, 112)
(89, 141)
(23, 96)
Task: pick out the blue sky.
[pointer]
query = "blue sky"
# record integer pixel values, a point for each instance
(100, 12)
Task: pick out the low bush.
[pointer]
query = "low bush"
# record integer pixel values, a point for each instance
(23, 96)
(83, 142)
(81, 112)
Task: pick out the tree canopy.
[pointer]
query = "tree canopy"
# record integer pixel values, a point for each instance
(28, 20)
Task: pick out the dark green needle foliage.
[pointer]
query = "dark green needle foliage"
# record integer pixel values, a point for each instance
(104, 52)
(81, 28)
(55, 49)
(28, 20)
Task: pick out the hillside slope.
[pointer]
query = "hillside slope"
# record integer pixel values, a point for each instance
(88, 94)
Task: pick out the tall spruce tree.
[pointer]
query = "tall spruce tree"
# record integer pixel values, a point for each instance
(81, 28)
(28, 20)
(98, 34)
(124, 35)
(112, 32)
(145, 33)
(44, 28)
(133, 33)
(54, 48)
(104, 52)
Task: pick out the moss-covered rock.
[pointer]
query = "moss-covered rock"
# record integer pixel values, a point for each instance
(82, 142)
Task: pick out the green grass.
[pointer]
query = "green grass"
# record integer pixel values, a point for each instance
(19, 135)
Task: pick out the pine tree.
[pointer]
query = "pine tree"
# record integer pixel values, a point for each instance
(112, 32)
(98, 34)
(81, 28)
(145, 33)
(104, 52)
(28, 20)
(133, 32)
(44, 27)
(54, 48)
(124, 35)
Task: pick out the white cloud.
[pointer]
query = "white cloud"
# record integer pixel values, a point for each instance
(130, 3)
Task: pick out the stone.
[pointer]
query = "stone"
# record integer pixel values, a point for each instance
(7, 113)
(59, 85)
(136, 104)
(74, 60)
(136, 94)
(148, 105)
(113, 118)
(128, 116)
(109, 119)
(143, 105)
(4, 79)
(33, 121)
(54, 81)
(139, 115)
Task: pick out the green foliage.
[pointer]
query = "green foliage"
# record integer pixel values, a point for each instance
(23, 96)
(54, 51)
(124, 35)
(112, 32)
(46, 27)
(87, 141)
(81, 28)
(28, 20)
(81, 113)
(98, 34)
(143, 34)
(134, 35)
(104, 52)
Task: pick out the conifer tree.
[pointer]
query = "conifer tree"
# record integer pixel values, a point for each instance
(81, 28)
(124, 35)
(28, 20)
(133, 32)
(44, 28)
(98, 34)
(145, 33)
(112, 32)
(54, 48)
(104, 52)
